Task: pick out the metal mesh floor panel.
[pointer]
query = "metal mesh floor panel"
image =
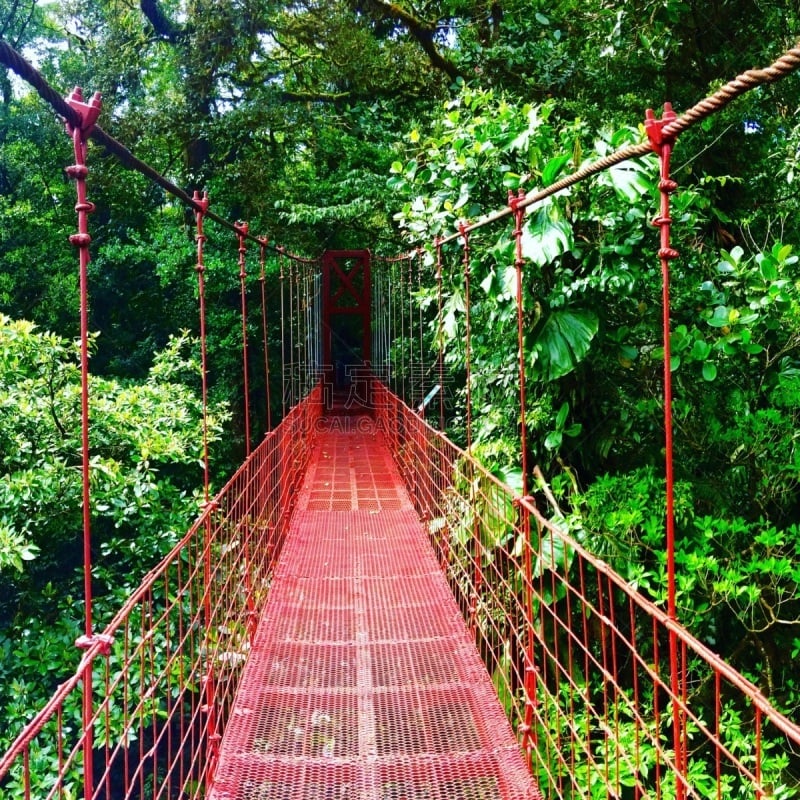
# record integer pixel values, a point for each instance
(363, 682)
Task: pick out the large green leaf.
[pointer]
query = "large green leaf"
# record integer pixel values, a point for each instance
(563, 340)
(546, 235)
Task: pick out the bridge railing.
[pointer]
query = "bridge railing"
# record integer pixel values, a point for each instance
(164, 672)
(610, 698)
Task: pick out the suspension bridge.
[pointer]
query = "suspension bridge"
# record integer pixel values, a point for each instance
(364, 612)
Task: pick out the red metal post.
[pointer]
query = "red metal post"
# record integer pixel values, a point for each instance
(663, 145)
(89, 112)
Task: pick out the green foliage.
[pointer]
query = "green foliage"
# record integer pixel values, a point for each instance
(290, 116)
(146, 446)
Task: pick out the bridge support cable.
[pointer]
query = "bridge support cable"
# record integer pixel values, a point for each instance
(262, 280)
(662, 143)
(420, 402)
(242, 229)
(527, 729)
(477, 544)
(292, 375)
(282, 282)
(79, 131)
(439, 329)
(210, 735)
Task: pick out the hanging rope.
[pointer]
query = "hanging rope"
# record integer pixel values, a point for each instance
(264, 329)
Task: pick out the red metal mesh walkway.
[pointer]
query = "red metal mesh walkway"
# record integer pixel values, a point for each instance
(363, 682)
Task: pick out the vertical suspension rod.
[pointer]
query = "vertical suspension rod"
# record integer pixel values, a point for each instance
(202, 208)
(467, 332)
(241, 230)
(89, 113)
(262, 280)
(420, 329)
(440, 329)
(212, 737)
(282, 279)
(412, 370)
(476, 538)
(663, 144)
(528, 733)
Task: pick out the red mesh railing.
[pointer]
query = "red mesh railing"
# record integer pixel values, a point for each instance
(363, 683)
(583, 663)
(166, 669)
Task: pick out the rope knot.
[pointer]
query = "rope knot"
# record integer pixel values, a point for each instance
(667, 185)
(80, 239)
(77, 171)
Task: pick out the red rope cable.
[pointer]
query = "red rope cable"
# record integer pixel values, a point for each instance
(262, 280)
(242, 229)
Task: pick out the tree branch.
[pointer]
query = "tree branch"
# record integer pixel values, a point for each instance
(162, 25)
(423, 32)
(314, 97)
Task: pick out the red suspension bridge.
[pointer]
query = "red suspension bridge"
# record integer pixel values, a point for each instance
(364, 611)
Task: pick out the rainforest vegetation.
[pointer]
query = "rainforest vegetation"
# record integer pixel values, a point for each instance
(370, 124)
